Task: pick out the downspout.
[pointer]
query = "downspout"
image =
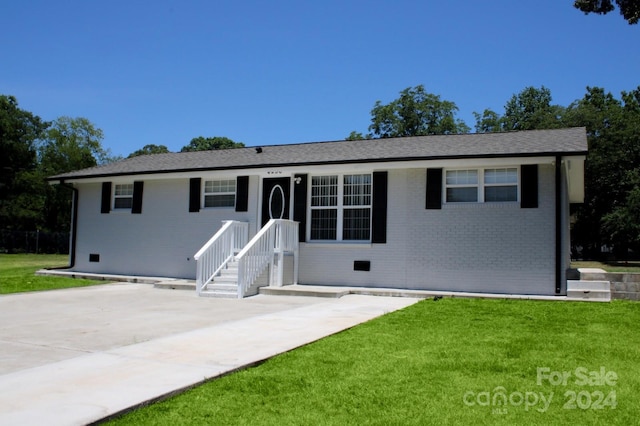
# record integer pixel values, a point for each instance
(74, 224)
(558, 184)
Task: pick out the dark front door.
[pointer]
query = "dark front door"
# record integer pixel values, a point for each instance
(275, 199)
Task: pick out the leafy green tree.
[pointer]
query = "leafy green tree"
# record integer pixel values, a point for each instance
(531, 109)
(612, 166)
(72, 144)
(489, 121)
(612, 170)
(205, 144)
(68, 144)
(19, 130)
(629, 9)
(355, 136)
(150, 149)
(415, 113)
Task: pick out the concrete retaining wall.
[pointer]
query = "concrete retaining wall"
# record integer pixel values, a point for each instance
(624, 285)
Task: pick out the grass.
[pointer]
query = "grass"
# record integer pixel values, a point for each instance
(417, 365)
(17, 273)
(612, 266)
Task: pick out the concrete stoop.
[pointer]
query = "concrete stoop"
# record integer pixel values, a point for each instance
(176, 284)
(591, 291)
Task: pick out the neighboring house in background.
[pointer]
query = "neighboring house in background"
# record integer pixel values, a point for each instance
(474, 212)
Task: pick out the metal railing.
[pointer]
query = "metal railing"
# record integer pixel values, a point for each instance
(219, 250)
(267, 249)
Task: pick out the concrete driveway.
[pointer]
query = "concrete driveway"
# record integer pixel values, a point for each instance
(79, 355)
(43, 327)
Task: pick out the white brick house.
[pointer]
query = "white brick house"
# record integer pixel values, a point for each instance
(477, 212)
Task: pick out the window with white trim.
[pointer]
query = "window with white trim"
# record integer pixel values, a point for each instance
(123, 196)
(341, 207)
(462, 186)
(220, 193)
(501, 184)
(482, 185)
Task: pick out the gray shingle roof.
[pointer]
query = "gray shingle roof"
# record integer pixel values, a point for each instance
(571, 141)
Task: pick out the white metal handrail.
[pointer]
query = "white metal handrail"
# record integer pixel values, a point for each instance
(219, 250)
(275, 238)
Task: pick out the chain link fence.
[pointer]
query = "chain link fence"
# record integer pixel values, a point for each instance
(33, 242)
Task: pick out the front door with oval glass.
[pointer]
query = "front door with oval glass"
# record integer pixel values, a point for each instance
(275, 198)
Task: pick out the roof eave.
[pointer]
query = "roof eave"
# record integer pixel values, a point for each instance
(63, 178)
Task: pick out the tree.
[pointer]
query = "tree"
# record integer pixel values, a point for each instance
(68, 144)
(489, 121)
(204, 144)
(19, 129)
(355, 136)
(72, 144)
(415, 113)
(612, 170)
(150, 149)
(531, 109)
(629, 9)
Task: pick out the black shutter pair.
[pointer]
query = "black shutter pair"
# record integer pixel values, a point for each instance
(378, 213)
(136, 207)
(242, 194)
(528, 194)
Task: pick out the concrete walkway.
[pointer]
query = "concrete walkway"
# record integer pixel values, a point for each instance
(72, 357)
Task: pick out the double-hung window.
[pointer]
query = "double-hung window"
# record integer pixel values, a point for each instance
(123, 196)
(462, 186)
(341, 207)
(482, 185)
(501, 184)
(220, 193)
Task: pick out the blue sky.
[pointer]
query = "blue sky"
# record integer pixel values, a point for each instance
(278, 72)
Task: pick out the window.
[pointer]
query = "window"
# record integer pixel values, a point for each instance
(501, 184)
(341, 207)
(123, 196)
(462, 186)
(482, 185)
(220, 193)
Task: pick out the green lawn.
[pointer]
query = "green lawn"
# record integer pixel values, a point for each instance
(438, 362)
(613, 266)
(17, 273)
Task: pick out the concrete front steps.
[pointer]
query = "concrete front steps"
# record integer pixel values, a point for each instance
(225, 284)
(591, 291)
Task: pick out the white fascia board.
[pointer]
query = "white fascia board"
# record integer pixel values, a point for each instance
(574, 170)
(285, 171)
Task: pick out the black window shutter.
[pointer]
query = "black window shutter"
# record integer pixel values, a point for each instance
(529, 192)
(434, 189)
(106, 197)
(194, 194)
(379, 211)
(136, 207)
(242, 193)
(300, 205)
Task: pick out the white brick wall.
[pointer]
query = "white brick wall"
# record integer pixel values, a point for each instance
(159, 242)
(491, 247)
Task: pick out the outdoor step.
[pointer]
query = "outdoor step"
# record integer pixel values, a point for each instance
(580, 285)
(222, 287)
(176, 284)
(231, 279)
(219, 294)
(593, 295)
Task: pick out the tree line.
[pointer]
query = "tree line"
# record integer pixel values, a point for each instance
(33, 149)
(610, 217)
